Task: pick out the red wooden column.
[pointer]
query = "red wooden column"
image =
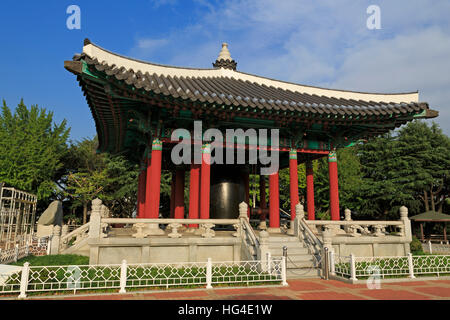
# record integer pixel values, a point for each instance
(334, 187)
(179, 194)
(205, 182)
(172, 197)
(152, 196)
(293, 181)
(141, 192)
(274, 203)
(310, 191)
(194, 193)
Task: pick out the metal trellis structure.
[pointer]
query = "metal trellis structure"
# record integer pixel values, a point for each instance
(17, 216)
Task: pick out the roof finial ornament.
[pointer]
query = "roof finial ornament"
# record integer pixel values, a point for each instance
(224, 60)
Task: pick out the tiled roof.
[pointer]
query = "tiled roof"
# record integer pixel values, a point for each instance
(115, 86)
(237, 92)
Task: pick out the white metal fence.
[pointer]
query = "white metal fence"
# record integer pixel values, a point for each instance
(125, 276)
(36, 247)
(442, 247)
(409, 266)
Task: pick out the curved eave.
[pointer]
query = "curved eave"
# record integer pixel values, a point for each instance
(110, 58)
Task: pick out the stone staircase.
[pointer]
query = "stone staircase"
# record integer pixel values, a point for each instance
(300, 263)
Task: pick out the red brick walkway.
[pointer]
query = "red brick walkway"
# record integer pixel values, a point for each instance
(313, 289)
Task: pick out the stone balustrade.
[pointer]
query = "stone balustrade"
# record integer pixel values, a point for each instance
(366, 238)
(151, 227)
(351, 228)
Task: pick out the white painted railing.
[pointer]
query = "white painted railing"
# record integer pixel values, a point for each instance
(74, 237)
(35, 247)
(442, 247)
(125, 276)
(409, 266)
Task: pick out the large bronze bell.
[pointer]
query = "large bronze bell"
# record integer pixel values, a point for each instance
(227, 191)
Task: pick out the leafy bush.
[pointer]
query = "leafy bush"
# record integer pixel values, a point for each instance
(416, 246)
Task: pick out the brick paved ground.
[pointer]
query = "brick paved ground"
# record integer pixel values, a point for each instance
(313, 289)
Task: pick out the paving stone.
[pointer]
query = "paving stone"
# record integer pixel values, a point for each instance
(327, 295)
(389, 294)
(436, 291)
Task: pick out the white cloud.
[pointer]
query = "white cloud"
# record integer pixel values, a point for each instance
(324, 43)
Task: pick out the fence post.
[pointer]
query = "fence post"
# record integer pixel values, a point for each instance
(24, 280)
(49, 243)
(430, 247)
(332, 265)
(352, 268)
(269, 263)
(209, 274)
(411, 266)
(326, 269)
(16, 252)
(283, 271)
(123, 276)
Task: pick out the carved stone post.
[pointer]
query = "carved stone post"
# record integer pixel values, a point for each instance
(95, 229)
(54, 249)
(348, 215)
(263, 249)
(295, 225)
(243, 208)
(327, 236)
(64, 230)
(406, 228)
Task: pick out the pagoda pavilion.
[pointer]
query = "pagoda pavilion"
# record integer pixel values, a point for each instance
(136, 106)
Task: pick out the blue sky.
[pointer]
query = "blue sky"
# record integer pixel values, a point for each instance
(324, 43)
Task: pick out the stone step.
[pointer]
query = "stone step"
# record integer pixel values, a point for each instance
(301, 257)
(303, 273)
(284, 239)
(289, 246)
(291, 251)
(300, 264)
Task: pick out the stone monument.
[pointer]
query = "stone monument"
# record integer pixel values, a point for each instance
(52, 216)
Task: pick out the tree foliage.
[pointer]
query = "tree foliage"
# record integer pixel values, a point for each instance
(89, 175)
(31, 149)
(410, 169)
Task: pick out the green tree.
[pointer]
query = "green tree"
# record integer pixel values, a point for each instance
(384, 190)
(349, 179)
(425, 152)
(31, 149)
(411, 168)
(89, 175)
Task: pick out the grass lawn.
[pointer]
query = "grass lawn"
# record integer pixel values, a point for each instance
(56, 260)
